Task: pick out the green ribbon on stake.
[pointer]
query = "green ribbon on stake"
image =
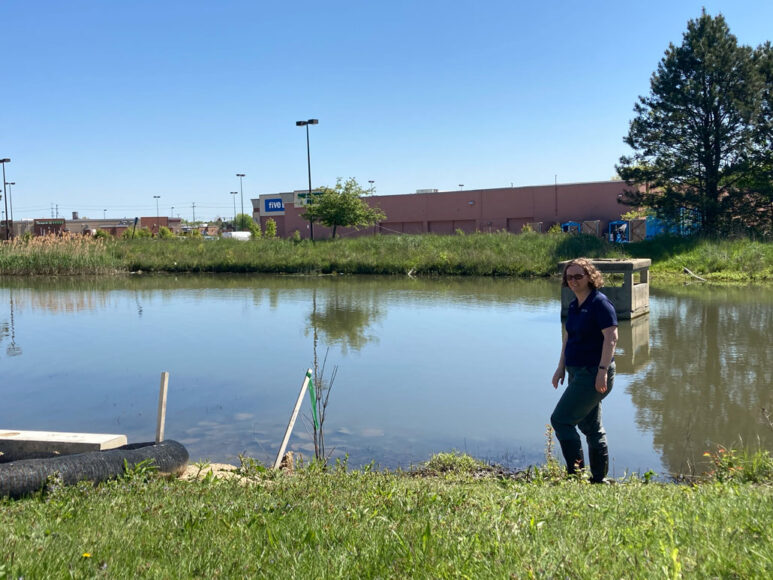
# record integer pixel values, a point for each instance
(313, 396)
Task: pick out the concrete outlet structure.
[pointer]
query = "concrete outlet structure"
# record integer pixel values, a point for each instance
(631, 299)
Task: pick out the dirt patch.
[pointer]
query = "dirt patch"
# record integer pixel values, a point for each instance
(218, 471)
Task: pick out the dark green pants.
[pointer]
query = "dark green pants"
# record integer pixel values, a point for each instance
(580, 406)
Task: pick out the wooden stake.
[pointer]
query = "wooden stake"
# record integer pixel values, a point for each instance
(293, 417)
(162, 407)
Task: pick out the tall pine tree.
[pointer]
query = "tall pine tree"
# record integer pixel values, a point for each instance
(701, 138)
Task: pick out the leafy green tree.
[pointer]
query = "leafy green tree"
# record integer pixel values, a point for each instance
(165, 233)
(242, 222)
(702, 137)
(343, 205)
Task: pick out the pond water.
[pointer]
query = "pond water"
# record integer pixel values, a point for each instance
(423, 365)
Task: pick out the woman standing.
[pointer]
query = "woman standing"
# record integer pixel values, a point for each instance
(587, 356)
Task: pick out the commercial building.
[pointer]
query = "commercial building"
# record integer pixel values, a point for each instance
(446, 212)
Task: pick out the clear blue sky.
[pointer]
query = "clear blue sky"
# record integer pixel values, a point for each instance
(104, 104)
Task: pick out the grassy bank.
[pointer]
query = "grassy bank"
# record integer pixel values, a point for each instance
(462, 523)
(499, 254)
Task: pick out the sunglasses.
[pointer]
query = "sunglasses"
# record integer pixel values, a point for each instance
(575, 276)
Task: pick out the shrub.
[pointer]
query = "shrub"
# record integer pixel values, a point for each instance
(130, 233)
(254, 228)
(270, 228)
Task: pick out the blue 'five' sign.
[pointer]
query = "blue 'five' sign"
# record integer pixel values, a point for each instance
(274, 205)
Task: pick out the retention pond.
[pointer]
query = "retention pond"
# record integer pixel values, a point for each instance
(423, 365)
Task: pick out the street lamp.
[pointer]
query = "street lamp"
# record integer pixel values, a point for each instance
(5, 197)
(104, 214)
(241, 176)
(234, 193)
(10, 197)
(371, 184)
(308, 161)
(157, 197)
(461, 186)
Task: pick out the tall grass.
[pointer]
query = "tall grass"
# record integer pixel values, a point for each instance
(57, 255)
(716, 259)
(475, 254)
(496, 254)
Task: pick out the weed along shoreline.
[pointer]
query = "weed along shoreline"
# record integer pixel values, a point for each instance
(497, 254)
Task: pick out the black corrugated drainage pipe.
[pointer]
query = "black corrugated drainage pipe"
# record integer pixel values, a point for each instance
(26, 476)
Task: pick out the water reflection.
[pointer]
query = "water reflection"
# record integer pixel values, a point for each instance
(344, 316)
(712, 376)
(633, 344)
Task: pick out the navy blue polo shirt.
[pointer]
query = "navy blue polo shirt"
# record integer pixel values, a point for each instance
(583, 327)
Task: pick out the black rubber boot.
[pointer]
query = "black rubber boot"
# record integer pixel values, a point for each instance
(572, 451)
(599, 464)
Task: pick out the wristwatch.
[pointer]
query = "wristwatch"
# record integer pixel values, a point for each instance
(603, 368)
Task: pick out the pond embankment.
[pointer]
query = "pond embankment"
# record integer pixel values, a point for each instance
(337, 523)
(496, 254)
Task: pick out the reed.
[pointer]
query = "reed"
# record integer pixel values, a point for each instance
(57, 255)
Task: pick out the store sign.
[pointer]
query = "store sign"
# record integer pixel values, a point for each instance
(301, 198)
(273, 205)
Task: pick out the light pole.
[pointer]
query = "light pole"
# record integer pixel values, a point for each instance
(5, 197)
(104, 214)
(308, 161)
(241, 176)
(10, 197)
(234, 193)
(371, 184)
(157, 197)
(461, 186)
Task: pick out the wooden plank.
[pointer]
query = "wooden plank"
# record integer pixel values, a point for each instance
(293, 417)
(162, 407)
(19, 444)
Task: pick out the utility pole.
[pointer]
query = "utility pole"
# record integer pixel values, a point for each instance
(193, 206)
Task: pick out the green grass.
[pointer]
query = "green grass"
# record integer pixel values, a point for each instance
(719, 260)
(497, 254)
(479, 254)
(370, 524)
